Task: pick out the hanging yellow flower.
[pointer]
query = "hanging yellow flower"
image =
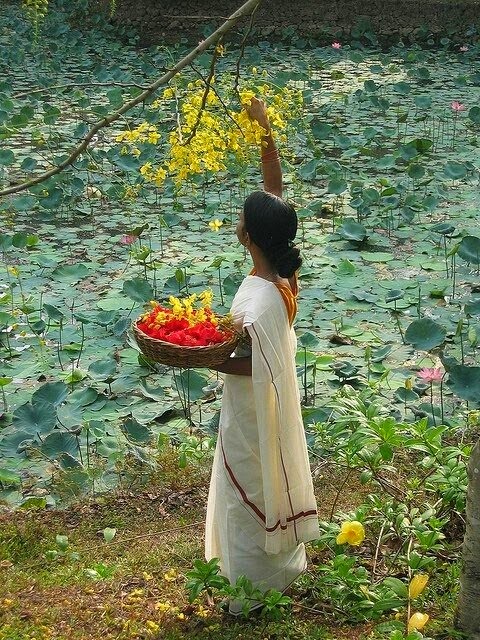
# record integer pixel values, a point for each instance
(351, 532)
(417, 585)
(417, 621)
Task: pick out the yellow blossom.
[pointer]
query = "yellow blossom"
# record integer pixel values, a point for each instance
(417, 585)
(152, 626)
(169, 93)
(146, 168)
(202, 612)
(170, 576)
(417, 621)
(181, 616)
(147, 576)
(408, 384)
(163, 607)
(215, 224)
(351, 532)
(206, 297)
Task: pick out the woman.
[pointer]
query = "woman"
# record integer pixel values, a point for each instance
(261, 506)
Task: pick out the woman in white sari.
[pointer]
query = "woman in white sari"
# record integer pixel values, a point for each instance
(261, 506)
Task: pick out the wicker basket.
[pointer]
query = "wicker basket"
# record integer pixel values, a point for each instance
(176, 355)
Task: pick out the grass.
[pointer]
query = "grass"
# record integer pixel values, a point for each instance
(159, 534)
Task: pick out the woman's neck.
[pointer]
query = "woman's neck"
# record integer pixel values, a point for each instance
(263, 268)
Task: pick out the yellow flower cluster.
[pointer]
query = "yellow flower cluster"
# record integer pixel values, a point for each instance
(210, 129)
(185, 308)
(145, 132)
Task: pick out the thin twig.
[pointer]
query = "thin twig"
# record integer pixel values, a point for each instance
(107, 120)
(242, 49)
(208, 84)
(220, 99)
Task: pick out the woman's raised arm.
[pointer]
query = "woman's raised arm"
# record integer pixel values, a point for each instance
(271, 169)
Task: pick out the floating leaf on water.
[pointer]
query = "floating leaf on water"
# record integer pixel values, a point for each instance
(455, 170)
(103, 369)
(474, 115)
(464, 381)
(425, 334)
(40, 417)
(346, 268)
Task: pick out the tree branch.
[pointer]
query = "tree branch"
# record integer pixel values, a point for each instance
(249, 6)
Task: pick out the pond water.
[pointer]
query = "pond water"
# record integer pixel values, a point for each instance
(381, 162)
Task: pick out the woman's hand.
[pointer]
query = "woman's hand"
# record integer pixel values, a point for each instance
(257, 110)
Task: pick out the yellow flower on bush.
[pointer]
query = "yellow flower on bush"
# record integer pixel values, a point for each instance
(417, 585)
(351, 532)
(417, 621)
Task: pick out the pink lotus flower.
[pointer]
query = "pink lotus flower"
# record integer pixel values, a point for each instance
(457, 106)
(336, 45)
(128, 239)
(464, 48)
(430, 375)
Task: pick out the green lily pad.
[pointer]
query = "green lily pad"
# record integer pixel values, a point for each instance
(138, 289)
(135, 431)
(40, 417)
(455, 170)
(425, 334)
(51, 393)
(352, 230)
(469, 249)
(59, 442)
(464, 381)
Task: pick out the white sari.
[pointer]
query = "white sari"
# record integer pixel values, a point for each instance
(261, 505)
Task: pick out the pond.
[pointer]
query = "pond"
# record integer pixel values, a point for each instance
(380, 154)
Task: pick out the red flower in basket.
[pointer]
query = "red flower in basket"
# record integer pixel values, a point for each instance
(184, 323)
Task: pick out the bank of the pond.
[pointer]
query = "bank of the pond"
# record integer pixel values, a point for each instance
(408, 19)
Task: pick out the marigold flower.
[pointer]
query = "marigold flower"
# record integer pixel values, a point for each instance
(417, 621)
(430, 375)
(351, 532)
(215, 224)
(417, 585)
(457, 106)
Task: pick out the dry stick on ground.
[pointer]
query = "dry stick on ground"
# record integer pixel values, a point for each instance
(249, 7)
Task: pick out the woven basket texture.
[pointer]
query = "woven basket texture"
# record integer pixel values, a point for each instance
(176, 355)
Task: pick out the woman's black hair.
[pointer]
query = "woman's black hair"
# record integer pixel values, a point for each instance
(272, 224)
